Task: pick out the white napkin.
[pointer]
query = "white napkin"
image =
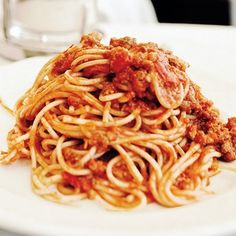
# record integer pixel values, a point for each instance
(126, 11)
(119, 12)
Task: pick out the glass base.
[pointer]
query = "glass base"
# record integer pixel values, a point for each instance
(41, 42)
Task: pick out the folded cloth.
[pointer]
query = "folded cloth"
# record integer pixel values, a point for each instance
(123, 11)
(120, 12)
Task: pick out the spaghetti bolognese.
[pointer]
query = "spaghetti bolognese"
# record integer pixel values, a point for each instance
(122, 124)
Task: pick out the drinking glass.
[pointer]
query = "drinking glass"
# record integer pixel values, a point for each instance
(46, 26)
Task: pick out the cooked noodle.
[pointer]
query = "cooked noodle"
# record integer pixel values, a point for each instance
(89, 136)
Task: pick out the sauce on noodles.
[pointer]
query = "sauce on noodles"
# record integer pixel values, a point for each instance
(122, 124)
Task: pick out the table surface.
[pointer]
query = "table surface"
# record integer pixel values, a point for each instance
(176, 37)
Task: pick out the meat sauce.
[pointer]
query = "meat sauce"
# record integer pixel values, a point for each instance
(98, 168)
(132, 66)
(63, 63)
(207, 128)
(83, 183)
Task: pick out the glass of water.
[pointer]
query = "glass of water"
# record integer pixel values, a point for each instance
(46, 26)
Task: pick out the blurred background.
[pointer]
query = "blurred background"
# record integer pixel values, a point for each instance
(33, 27)
(36, 27)
(217, 12)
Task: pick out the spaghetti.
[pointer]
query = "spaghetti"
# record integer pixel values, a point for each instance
(122, 124)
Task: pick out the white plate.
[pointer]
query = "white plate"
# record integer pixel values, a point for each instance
(23, 212)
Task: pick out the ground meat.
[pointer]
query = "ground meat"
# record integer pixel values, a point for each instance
(136, 81)
(91, 40)
(177, 62)
(138, 64)
(98, 167)
(120, 59)
(183, 181)
(208, 128)
(83, 183)
(223, 140)
(121, 172)
(63, 63)
(231, 125)
(135, 104)
(145, 48)
(71, 155)
(125, 42)
(101, 141)
(135, 69)
(108, 88)
(123, 80)
(103, 138)
(75, 101)
(140, 83)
